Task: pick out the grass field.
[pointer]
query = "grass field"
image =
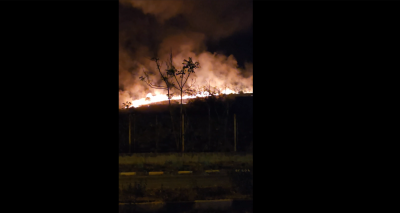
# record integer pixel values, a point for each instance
(187, 158)
(187, 162)
(135, 194)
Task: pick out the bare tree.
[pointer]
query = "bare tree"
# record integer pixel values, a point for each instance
(169, 85)
(165, 77)
(188, 68)
(171, 73)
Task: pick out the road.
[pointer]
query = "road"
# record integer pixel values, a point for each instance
(223, 205)
(176, 181)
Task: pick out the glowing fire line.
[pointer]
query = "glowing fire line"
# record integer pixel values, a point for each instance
(158, 98)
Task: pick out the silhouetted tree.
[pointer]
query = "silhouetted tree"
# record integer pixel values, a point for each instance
(127, 104)
(188, 68)
(165, 77)
(171, 73)
(169, 85)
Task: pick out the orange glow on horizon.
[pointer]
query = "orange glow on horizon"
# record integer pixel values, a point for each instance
(163, 97)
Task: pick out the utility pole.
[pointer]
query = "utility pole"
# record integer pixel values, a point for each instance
(134, 132)
(129, 115)
(181, 87)
(234, 130)
(156, 134)
(183, 133)
(237, 132)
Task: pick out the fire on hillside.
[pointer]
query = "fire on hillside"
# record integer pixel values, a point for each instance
(163, 99)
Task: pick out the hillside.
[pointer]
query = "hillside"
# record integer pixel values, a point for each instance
(209, 125)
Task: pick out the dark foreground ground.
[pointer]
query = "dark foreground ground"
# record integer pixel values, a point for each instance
(177, 181)
(195, 182)
(223, 192)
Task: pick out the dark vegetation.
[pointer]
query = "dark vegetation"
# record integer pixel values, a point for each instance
(198, 168)
(209, 126)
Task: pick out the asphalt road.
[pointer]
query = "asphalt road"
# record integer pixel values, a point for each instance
(176, 181)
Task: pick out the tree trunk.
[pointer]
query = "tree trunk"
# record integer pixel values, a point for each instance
(129, 116)
(226, 123)
(172, 120)
(169, 100)
(209, 128)
(156, 134)
(134, 133)
(234, 132)
(237, 132)
(173, 128)
(181, 138)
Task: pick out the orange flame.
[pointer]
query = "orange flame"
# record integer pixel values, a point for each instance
(163, 97)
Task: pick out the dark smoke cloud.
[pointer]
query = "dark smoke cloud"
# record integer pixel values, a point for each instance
(149, 28)
(215, 18)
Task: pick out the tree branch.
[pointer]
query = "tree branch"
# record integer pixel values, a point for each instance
(187, 77)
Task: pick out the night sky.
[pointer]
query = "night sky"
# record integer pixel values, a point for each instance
(240, 44)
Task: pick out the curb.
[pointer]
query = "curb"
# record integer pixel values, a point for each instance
(177, 202)
(211, 171)
(209, 201)
(242, 170)
(223, 204)
(178, 172)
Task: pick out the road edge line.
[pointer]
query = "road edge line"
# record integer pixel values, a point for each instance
(127, 173)
(156, 173)
(185, 172)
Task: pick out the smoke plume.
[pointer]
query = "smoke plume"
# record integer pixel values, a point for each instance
(149, 28)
